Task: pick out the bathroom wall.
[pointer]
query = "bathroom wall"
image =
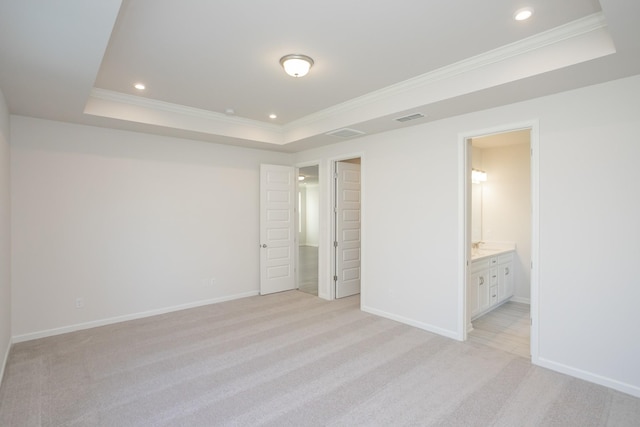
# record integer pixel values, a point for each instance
(5, 237)
(507, 207)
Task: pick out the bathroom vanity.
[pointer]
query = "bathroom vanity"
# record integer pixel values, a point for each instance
(490, 280)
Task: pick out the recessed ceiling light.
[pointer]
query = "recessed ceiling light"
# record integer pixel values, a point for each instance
(273, 116)
(139, 86)
(523, 14)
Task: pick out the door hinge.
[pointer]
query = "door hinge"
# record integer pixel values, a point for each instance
(335, 278)
(335, 175)
(335, 244)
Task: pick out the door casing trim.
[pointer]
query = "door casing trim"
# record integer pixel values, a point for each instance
(464, 234)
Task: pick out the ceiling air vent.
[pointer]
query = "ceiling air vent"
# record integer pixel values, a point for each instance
(345, 133)
(409, 117)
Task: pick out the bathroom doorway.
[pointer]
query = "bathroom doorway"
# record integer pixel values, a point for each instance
(500, 242)
(308, 228)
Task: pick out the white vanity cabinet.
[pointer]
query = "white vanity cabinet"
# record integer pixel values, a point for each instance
(505, 276)
(490, 282)
(482, 277)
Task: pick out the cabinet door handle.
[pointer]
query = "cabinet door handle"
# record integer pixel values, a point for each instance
(506, 271)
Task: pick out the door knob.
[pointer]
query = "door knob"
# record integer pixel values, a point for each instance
(264, 245)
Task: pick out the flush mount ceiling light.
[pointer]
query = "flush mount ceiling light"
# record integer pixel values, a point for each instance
(139, 86)
(296, 65)
(523, 14)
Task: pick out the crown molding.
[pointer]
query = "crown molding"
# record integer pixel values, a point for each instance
(555, 35)
(365, 107)
(198, 113)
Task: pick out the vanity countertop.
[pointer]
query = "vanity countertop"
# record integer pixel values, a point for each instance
(489, 251)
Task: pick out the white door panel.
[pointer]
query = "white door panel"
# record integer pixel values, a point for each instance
(347, 229)
(277, 228)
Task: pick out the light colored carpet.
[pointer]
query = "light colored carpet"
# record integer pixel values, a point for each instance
(288, 359)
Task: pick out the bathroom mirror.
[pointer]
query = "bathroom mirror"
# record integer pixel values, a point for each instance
(476, 212)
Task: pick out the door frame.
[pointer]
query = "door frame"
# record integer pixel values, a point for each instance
(329, 252)
(464, 218)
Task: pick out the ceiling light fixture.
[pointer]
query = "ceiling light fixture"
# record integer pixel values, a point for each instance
(296, 65)
(301, 178)
(139, 86)
(523, 14)
(273, 116)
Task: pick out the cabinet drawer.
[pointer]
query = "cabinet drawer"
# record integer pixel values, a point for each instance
(493, 295)
(493, 276)
(480, 264)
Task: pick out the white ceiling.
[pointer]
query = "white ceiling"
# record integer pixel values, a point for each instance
(77, 61)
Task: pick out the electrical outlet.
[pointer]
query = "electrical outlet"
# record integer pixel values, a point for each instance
(79, 302)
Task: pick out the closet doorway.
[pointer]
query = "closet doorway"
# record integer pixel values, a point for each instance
(308, 228)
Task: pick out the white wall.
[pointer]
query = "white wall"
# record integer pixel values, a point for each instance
(5, 237)
(507, 207)
(302, 218)
(402, 268)
(311, 215)
(588, 222)
(131, 223)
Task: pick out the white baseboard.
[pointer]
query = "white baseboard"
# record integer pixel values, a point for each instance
(521, 300)
(4, 361)
(118, 319)
(411, 322)
(588, 376)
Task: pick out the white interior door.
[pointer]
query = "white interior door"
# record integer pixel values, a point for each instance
(277, 228)
(347, 243)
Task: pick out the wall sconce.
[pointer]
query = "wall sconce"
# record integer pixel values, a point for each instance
(478, 176)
